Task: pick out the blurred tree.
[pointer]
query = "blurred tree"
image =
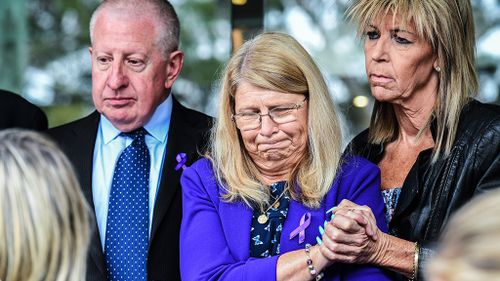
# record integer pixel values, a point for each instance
(205, 40)
(13, 47)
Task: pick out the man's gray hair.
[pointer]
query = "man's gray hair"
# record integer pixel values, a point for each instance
(168, 26)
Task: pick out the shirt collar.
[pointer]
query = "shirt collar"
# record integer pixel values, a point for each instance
(157, 126)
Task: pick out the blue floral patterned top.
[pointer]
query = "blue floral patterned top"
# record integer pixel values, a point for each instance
(266, 230)
(391, 197)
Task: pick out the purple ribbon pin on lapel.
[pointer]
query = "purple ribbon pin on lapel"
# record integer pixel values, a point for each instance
(301, 229)
(181, 161)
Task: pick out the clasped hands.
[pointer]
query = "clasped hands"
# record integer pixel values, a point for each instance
(352, 236)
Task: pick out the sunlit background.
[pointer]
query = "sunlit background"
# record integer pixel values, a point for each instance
(44, 51)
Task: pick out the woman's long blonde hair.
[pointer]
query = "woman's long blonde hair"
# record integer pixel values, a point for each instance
(277, 62)
(44, 218)
(448, 26)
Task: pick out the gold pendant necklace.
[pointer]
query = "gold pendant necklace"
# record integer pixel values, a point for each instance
(263, 218)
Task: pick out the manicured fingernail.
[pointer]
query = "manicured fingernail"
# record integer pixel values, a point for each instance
(332, 217)
(331, 210)
(319, 241)
(324, 224)
(321, 230)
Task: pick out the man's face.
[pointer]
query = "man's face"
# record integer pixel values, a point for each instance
(130, 77)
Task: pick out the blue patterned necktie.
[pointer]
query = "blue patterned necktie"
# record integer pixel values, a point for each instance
(127, 232)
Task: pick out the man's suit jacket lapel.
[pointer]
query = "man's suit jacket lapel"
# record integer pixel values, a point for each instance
(83, 143)
(181, 138)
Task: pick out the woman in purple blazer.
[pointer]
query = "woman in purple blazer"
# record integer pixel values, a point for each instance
(255, 207)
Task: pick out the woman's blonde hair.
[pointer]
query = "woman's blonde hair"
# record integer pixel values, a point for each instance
(448, 26)
(44, 218)
(469, 248)
(277, 62)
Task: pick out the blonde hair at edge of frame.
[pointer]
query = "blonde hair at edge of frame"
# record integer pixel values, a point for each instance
(448, 26)
(44, 219)
(277, 62)
(470, 245)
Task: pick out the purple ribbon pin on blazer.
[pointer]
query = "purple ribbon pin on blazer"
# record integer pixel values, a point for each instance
(305, 220)
(181, 161)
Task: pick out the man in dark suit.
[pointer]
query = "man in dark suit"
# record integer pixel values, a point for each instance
(135, 61)
(16, 112)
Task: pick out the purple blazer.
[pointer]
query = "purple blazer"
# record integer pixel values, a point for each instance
(215, 235)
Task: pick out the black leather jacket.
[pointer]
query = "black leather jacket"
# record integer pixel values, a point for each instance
(431, 193)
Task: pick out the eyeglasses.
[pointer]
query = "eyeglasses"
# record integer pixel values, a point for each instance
(282, 114)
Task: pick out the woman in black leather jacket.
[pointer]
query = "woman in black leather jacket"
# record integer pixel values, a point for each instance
(435, 145)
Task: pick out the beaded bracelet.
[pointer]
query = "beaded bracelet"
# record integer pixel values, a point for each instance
(415, 263)
(317, 276)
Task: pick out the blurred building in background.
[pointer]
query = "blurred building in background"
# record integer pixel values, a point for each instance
(44, 50)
